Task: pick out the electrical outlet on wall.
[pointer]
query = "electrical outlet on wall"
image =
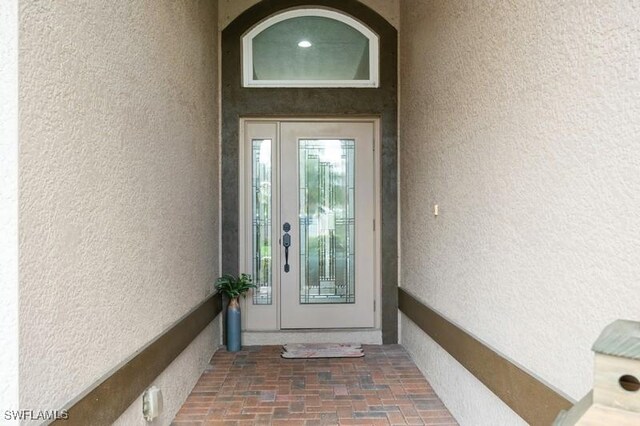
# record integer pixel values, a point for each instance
(152, 403)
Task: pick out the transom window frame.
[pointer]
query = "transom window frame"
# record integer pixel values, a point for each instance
(247, 52)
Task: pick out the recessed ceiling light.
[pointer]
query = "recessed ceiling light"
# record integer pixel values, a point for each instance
(304, 43)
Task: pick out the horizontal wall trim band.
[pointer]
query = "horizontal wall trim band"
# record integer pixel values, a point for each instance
(531, 399)
(106, 400)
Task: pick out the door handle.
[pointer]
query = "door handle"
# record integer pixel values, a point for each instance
(286, 242)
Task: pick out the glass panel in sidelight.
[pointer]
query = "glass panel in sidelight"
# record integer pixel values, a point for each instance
(261, 221)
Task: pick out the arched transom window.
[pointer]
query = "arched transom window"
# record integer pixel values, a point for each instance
(310, 48)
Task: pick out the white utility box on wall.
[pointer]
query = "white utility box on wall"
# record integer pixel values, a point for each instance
(152, 403)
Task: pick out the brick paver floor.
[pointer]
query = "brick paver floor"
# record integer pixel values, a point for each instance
(256, 386)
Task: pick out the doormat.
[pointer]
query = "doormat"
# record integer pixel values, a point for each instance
(322, 350)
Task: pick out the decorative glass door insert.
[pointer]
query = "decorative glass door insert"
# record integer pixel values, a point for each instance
(327, 220)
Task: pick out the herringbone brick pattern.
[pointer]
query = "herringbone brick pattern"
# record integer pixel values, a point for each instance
(258, 387)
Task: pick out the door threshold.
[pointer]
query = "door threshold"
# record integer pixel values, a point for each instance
(281, 337)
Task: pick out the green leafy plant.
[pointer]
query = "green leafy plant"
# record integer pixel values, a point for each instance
(232, 286)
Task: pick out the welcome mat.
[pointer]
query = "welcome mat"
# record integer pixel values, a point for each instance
(322, 350)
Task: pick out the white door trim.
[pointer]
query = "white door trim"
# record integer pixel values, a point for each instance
(269, 320)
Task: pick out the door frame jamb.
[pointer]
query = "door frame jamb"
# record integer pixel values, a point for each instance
(243, 208)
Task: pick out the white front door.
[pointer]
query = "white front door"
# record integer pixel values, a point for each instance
(312, 244)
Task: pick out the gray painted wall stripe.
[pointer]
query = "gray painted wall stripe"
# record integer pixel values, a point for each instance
(380, 102)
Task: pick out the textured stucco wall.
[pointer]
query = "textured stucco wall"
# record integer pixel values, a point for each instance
(520, 119)
(8, 205)
(178, 379)
(118, 183)
(464, 393)
(230, 9)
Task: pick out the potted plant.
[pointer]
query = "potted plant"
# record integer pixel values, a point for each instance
(233, 287)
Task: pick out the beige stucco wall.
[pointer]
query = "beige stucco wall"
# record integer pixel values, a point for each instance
(118, 185)
(520, 120)
(178, 379)
(8, 205)
(231, 9)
